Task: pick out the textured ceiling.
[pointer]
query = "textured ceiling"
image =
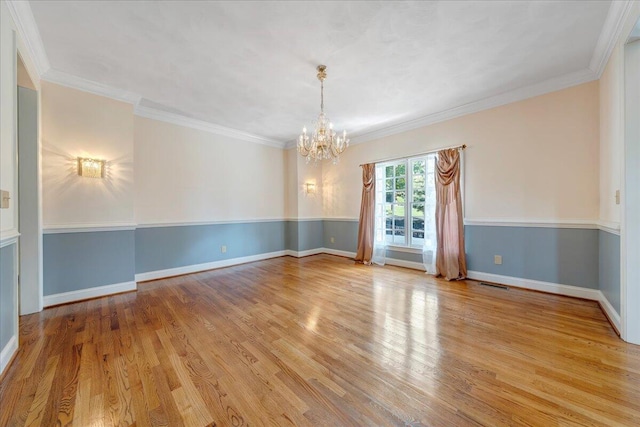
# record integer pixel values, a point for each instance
(250, 66)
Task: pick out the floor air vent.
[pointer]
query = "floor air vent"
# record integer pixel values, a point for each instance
(494, 285)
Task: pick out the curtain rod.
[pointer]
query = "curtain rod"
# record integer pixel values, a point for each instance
(458, 147)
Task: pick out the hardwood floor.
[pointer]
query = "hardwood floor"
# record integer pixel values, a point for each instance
(321, 341)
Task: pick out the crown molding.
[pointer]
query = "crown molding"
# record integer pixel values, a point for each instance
(547, 86)
(79, 83)
(613, 24)
(181, 120)
(28, 31)
(75, 82)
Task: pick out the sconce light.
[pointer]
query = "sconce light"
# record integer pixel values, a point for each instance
(90, 168)
(310, 188)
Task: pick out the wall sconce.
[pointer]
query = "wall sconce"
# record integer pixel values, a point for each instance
(91, 168)
(310, 188)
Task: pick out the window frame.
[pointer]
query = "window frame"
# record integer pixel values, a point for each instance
(381, 202)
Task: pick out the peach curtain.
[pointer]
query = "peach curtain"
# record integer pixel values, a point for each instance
(451, 261)
(367, 214)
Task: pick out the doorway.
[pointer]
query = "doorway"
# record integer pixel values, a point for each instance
(29, 212)
(631, 211)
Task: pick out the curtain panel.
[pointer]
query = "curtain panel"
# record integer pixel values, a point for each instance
(367, 214)
(451, 261)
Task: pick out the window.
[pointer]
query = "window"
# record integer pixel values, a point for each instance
(406, 201)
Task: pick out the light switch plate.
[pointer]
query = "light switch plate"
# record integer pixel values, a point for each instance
(497, 259)
(617, 197)
(4, 199)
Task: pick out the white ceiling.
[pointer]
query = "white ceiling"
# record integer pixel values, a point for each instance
(250, 66)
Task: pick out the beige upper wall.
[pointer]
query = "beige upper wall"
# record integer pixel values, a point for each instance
(79, 124)
(611, 136)
(8, 181)
(533, 160)
(184, 175)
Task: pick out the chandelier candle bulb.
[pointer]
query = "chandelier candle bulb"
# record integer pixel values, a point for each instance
(324, 142)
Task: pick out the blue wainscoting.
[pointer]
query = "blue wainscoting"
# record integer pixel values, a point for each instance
(8, 297)
(586, 258)
(304, 235)
(167, 247)
(609, 267)
(567, 256)
(83, 260)
(344, 233)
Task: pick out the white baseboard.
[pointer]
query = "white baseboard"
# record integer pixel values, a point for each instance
(195, 268)
(82, 294)
(300, 254)
(536, 285)
(554, 288)
(8, 352)
(337, 252)
(611, 312)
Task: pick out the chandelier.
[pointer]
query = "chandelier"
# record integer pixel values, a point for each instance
(323, 143)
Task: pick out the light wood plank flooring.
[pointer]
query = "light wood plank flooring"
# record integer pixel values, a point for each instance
(321, 341)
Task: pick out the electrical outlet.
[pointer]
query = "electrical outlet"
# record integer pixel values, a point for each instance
(333, 239)
(223, 249)
(497, 259)
(617, 197)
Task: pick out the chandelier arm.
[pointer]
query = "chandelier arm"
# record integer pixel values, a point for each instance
(303, 150)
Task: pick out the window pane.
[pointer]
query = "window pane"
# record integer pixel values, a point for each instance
(417, 210)
(389, 171)
(418, 182)
(389, 184)
(389, 198)
(418, 188)
(388, 209)
(400, 183)
(399, 238)
(401, 170)
(418, 225)
(401, 196)
(398, 224)
(418, 167)
(398, 211)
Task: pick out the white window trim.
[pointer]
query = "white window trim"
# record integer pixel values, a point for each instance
(408, 249)
(408, 162)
